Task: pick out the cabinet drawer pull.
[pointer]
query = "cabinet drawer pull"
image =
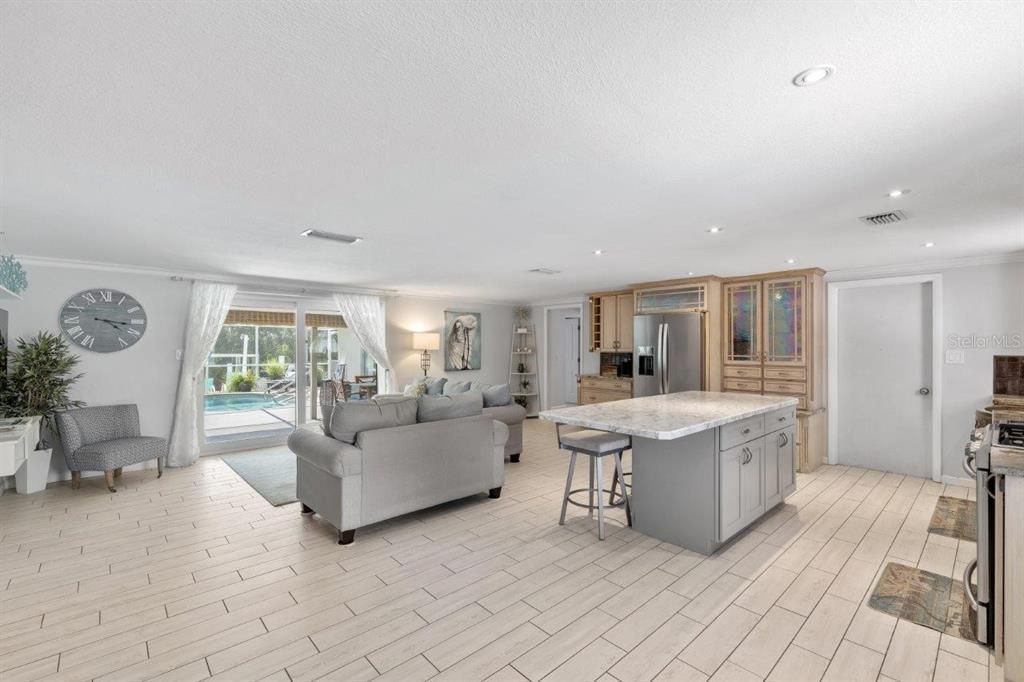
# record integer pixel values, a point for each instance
(745, 431)
(747, 455)
(783, 440)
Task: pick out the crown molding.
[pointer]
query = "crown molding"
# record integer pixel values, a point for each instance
(868, 272)
(284, 286)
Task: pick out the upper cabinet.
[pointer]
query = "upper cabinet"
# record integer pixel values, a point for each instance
(785, 321)
(773, 336)
(743, 322)
(673, 299)
(611, 322)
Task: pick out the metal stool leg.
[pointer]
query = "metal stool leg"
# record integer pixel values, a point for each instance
(590, 512)
(568, 487)
(600, 499)
(615, 480)
(625, 493)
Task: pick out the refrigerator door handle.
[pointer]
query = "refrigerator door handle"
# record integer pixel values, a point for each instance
(660, 360)
(662, 357)
(665, 355)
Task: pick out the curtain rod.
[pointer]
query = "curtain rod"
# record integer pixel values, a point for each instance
(311, 291)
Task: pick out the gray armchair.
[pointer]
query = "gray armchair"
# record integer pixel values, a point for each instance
(106, 439)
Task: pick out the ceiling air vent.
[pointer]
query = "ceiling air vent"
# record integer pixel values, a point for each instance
(543, 271)
(887, 218)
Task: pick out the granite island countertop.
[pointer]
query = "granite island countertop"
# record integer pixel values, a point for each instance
(669, 416)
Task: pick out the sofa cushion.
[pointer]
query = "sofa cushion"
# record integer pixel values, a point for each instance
(351, 418)
(457, 387)
(434, 408)
(118, 452)
(507, 414)
(495, 395)
(435, 385)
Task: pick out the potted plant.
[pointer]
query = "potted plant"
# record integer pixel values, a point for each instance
(39, 384)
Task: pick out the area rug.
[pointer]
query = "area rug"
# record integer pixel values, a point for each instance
(270, 472)
(955, 518)
(925, 598)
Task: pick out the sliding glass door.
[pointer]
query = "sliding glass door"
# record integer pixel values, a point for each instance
(250, 381)
(272, 366)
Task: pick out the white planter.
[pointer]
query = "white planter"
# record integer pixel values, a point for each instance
(31, 475)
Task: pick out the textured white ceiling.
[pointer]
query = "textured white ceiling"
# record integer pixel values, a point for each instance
(469, 142)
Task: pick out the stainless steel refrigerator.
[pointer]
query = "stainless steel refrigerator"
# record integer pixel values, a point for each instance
(668, 353)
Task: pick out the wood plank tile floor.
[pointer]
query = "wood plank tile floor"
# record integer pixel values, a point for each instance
(195, 576)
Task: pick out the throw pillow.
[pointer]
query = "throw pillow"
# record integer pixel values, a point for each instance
(457, 387)
(352, 418)
(435, 385)
(415, 390)
(432, 408)
(495, 395)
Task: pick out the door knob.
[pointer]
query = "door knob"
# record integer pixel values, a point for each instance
(924, 390)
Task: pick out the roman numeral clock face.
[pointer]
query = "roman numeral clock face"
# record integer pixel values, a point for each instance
(103, 320)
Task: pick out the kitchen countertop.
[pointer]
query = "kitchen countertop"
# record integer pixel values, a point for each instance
(670, 416)
(1007, 461)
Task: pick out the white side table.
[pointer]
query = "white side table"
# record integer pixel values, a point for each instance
(19, 457)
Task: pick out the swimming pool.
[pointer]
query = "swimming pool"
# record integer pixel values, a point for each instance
(237, 402)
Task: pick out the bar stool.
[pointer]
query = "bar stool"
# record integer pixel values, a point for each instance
(596, 445)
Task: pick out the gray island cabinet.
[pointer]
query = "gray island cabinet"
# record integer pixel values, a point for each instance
(705, 465)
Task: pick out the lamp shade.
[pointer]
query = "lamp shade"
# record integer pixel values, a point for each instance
(426, 341)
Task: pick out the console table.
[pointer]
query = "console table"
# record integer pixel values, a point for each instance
(19, 457)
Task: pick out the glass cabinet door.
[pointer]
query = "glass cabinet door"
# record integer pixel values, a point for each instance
(784, 301)
(742, 300)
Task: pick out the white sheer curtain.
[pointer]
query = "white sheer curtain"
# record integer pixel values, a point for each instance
(207, 310)
(364, 315)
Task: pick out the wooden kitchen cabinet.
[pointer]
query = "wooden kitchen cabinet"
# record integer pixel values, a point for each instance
(611, 322)
(598, 389)
(773, 343)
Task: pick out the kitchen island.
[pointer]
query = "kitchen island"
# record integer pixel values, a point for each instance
(705, 465)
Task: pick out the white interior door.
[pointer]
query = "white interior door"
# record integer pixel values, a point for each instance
(884, 378)
(563, 343)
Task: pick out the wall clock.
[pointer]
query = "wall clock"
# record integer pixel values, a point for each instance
(103, 320)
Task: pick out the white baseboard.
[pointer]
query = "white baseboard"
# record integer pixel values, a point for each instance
(960, 481)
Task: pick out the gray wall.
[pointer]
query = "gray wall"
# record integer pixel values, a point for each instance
(982, 302)
(408, 314)
(979, 302)
(145, 374)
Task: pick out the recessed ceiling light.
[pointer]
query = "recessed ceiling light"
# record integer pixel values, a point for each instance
(332, 236)
(714, 229)
(813, 75)
(689, 274)
(928, 245)
(791, 260)
(896, 193)
(598, 252)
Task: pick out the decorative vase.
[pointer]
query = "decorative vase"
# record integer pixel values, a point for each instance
(32, 474)
(522, 368)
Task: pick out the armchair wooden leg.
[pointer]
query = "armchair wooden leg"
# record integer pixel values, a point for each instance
(307, 510)
(159, 467)
(346, 537)
(118, 471)
(108, 476)
(514, 459)
(76, 480)
(495, 493)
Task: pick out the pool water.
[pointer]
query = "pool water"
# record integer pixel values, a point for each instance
(237, 402)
